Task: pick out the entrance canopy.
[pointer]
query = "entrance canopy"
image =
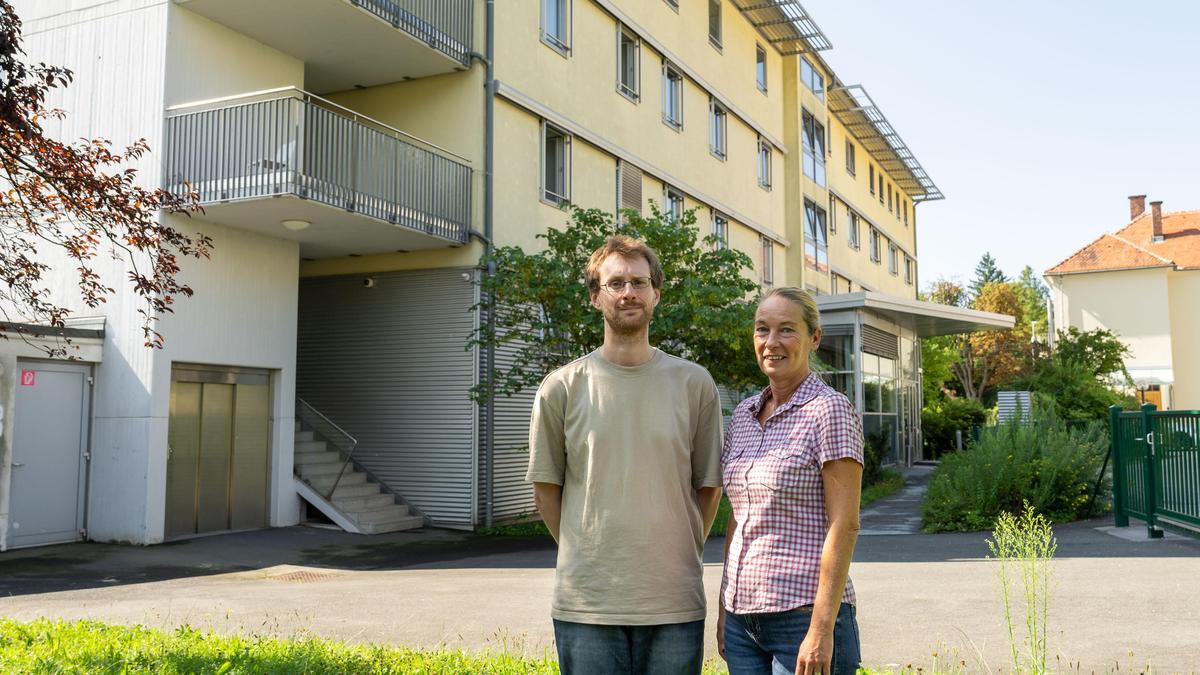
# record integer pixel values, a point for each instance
(926, 319)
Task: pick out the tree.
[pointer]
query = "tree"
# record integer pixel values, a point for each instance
(986, 272)
(543, 317)
(939, 353)
(73, 200)
(1077, 375)
(1033, 295)
(1099, 351)
(993, 358)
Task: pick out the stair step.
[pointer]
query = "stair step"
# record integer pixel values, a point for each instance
(323, 483)
(304, 435)
(380, 514)
(408, 523)
(315, 457)
(311, 446)
(344, 491)
(312, 470)
(365, 502)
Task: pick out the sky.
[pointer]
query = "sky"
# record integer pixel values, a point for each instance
(1036, 119)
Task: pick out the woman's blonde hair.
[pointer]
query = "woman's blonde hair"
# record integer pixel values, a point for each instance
(802, 299)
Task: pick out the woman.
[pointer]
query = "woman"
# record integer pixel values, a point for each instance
(792, 467)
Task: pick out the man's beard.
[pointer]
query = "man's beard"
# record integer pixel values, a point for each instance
(628, 324)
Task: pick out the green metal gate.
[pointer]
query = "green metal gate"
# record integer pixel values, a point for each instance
(1156, 467)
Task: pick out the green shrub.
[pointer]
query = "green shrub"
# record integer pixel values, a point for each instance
(943, 417)
(1051, 465)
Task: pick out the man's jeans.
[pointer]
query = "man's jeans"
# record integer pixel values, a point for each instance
(768, 644)
(667, 649)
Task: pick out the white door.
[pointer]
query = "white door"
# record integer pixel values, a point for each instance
(49, 469)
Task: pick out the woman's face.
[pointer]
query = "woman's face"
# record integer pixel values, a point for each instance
(781, 340)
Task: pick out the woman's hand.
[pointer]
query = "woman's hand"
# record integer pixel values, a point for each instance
(721, 631)
(816, 655)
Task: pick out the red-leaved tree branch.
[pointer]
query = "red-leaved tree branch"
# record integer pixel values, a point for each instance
(77, 198)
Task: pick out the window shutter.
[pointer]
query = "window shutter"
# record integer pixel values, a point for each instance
(880, 343)
(630, 187)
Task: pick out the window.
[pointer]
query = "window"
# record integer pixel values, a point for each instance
(871, 177)
(672, 97)
(814, 149)
(876, 255)
(812, 78)
(853, 231)
(832, 215)
(907, 205)
(908, 270)
(880, 187)
(720, 230)
(768, 262)
(673, 4)
(628, 64)
(760, 68)
(556, 24)
(889, 201)
(675, 204)
(838, 284)
(556, 164)
(714, 23)
(849, 157)
(893, 259)
(764, 164)
(816, 243)
(717, 121)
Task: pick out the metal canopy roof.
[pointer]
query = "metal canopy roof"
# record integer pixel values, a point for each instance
(854, 107)
(785, 24)
(925, 318)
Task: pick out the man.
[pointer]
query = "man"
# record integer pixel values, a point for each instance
(625, 448)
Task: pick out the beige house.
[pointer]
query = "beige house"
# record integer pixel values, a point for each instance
(1141, 282)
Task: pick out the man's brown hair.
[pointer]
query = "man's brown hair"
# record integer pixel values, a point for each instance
(622, 245)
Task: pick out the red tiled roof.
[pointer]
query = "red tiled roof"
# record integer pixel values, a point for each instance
(1131, 247)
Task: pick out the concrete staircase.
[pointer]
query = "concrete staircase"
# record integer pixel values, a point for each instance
(356, 505)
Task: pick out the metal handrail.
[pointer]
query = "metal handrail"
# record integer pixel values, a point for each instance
(303, 407)
(287, 141)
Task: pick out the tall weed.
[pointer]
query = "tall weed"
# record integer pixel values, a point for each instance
(1024, 547)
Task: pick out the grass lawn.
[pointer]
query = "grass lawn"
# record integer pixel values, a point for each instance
(45, 646)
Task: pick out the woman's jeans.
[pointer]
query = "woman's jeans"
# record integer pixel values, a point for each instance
(768, 644)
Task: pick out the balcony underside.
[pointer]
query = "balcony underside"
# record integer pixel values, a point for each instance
(334, 233)
(342, 46)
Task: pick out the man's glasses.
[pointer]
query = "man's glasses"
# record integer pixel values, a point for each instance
(618, 285)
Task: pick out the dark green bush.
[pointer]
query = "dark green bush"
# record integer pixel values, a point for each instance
(943, 417)
(875, 448)
(1051, 465)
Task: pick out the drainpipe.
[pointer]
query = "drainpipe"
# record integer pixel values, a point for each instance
(489, 351)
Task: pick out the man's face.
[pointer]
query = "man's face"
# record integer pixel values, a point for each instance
(627, 311)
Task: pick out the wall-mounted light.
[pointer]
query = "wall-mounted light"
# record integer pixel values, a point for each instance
(295, 225)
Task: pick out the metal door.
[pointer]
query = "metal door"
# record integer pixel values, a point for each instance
(50, 453)
(218, 462)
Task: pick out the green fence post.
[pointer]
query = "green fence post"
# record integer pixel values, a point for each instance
(1120, 516)
(1151, 483)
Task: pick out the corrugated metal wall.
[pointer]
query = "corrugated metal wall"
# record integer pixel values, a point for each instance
(389, 365)
(513, 497)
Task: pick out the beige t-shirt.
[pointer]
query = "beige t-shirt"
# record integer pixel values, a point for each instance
(630, 446)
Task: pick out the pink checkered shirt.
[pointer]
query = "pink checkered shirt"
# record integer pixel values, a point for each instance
(772, 474)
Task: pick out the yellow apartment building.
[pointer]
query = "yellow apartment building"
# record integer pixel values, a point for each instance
(356, 158)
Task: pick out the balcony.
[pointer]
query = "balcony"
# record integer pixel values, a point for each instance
(288, 164)
(354, 43)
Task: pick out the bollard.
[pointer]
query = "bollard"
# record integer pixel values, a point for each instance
(958, 439)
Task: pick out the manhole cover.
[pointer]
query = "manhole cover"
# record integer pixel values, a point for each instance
(302, 577)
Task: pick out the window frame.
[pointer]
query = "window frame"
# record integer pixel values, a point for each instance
(760, 67)
(765, 159)
(816, 235)
(893, 259)
(879, 175)
(545, 194)
(720, 228)
(566, 15)
(812, 132)
(715, 40)
(876, 244)
(851, 167)
(673, 4)
(853, 222)
(810, 75)
(672, 197)
(633, 93)
(871, 178)
(909, 264)
(668, 91)
(767, 273)
(718, 129)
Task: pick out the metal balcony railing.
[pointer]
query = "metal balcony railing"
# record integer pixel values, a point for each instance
(445, 25)
(290, 142)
